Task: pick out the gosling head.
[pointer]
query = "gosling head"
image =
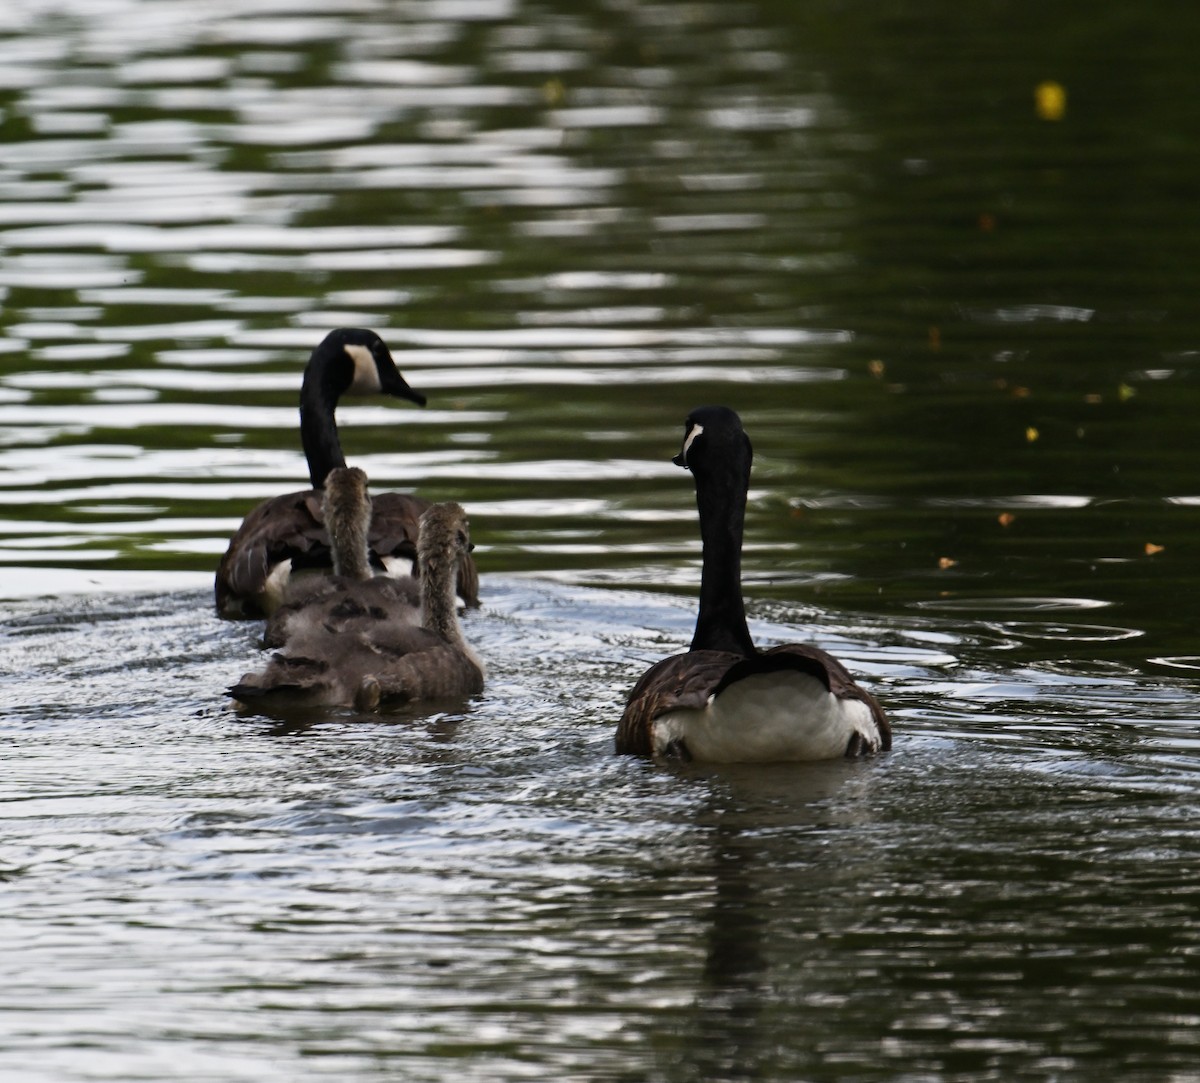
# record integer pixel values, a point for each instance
(445, 537)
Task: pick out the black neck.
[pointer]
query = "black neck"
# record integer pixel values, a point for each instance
(318, 427)
(721, 621)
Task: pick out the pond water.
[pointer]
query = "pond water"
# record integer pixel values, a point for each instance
(943, 262)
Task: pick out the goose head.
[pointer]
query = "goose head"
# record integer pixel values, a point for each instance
(715, 445)
(350, 360)
(355, 361)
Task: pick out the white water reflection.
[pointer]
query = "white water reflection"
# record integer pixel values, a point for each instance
(53, 584)
(1033, 314)
(375, 259)
(126, 237)
(51, 272)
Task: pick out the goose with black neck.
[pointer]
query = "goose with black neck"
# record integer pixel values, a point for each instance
(286, 535)
(724, 700)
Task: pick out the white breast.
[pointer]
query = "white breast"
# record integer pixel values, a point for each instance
(769, 717)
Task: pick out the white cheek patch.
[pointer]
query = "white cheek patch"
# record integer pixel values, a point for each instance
(687, 443)
(366, 375)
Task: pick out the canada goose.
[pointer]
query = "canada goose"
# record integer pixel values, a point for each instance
(724, 700)
(375, 651)
(286, 534)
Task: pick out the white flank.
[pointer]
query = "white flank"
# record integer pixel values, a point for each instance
(398, 567)
(366, 375)
(768, 717)
(275, 585)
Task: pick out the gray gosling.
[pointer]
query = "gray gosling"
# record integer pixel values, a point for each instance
(353, 599)
(354, 645)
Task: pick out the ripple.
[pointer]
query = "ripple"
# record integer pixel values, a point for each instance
(1177, 661)
(573, 225)
(1031, 314)
(1027, 604)
(1022, 501)
(33, 582)
(610, 116)
(1074, 633)
(45, 271)
(372, 259)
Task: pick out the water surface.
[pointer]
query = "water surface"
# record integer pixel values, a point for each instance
(963, 340)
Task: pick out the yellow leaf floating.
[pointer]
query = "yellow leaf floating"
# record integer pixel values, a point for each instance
(1031, 434)
(875, 368)
(1151, 549)
(1050, 100)
(1006, 518)
(1125, 392)
(946, 562)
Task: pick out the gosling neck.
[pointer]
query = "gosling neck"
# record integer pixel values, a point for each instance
(439, 606)
(348, 520)
(350, 556)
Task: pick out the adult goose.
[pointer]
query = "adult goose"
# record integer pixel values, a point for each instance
(286, 534)
(724, 700)
(361, 642)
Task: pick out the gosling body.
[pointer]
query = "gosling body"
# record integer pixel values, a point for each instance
(361, 643)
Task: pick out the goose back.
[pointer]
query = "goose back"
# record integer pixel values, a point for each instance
(343, 606)
(286, 537)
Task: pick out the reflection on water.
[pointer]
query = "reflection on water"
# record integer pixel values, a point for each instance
(963, 341)
(497, 885)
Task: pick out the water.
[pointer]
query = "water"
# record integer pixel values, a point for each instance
(963, 340)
